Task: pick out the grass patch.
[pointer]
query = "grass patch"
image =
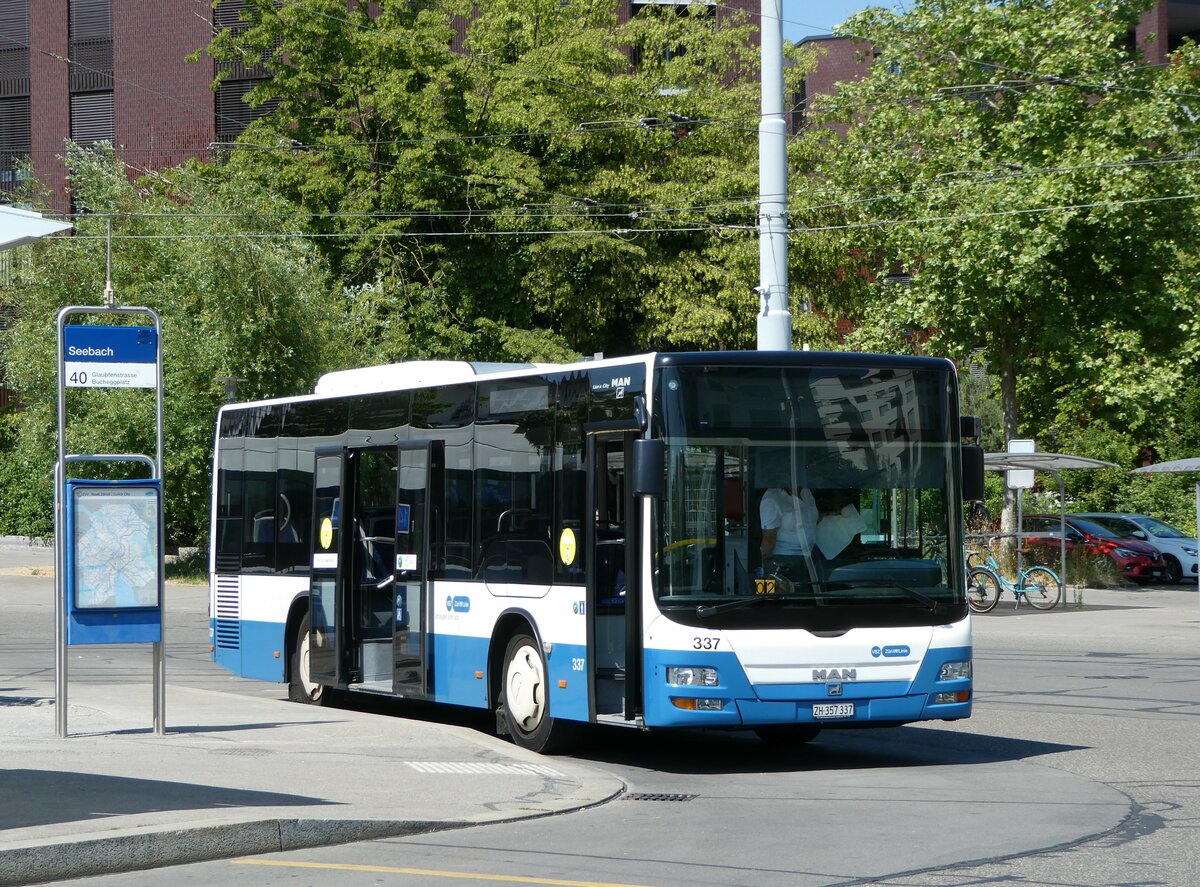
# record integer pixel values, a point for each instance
(189, 568)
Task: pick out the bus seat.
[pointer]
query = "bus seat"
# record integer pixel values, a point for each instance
(734, 506)
(264, 527)
(610, 573)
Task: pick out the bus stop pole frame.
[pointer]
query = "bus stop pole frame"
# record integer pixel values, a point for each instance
(156, 470)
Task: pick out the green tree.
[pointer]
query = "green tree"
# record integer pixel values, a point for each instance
(556, 183)
(1023, 163)
(1031, 172)
(238, 297)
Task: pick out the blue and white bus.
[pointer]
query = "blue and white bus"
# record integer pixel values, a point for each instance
(581, 543)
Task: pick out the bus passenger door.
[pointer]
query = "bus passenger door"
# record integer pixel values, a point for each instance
(613, 591)
(369, 575)
(415, 480)
(324, 656)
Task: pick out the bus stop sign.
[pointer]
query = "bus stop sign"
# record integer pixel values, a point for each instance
(110, 356)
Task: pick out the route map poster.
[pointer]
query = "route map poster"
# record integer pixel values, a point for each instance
(116, 546)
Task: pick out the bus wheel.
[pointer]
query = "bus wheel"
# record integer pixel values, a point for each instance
(525, 699)
(301, 687)
(788, 734)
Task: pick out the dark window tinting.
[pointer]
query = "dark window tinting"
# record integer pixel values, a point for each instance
(229, 506)
(570, 476)
(447, 414)
(513, 448)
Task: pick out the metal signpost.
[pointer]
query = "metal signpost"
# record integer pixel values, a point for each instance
(108, 534)
(1020, 479)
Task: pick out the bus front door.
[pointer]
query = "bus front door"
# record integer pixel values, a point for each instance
(614, 621)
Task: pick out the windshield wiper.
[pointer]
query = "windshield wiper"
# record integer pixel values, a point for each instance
(933, 605)
(740, 603)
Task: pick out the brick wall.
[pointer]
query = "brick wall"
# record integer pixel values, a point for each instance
(1152, 34)
(163, 106)
(49, 94)
(838, 59)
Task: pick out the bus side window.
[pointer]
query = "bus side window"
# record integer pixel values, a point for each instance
(513, 433)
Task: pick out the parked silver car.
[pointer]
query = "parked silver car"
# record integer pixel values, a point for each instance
(1177, 548)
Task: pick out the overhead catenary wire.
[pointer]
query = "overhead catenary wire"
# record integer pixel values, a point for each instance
(713, 228)
(747, 203)
(474, 181)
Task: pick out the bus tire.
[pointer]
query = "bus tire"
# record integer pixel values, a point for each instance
(524, 698)
(301, 688)
(787, 734)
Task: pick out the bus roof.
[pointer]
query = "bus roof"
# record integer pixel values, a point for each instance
(411, 374)
(422, 373)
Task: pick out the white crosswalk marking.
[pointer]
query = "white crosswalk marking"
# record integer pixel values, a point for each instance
(480, 767)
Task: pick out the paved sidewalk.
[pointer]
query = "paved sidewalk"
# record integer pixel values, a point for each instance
(235, 773)
(240, 775)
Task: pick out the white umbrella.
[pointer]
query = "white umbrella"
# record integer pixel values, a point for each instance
(19, 227)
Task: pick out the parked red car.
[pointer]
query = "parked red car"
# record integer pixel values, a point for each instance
(1132, 559)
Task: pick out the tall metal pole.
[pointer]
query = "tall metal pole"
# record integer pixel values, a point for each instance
(774, 319)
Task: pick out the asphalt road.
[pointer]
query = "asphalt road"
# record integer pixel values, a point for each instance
(1079, 767)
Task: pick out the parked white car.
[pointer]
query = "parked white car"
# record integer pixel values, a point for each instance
(1177, 548)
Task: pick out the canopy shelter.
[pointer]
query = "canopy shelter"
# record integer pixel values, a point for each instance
(1053, 464)
(19, 227)
(1177, 466)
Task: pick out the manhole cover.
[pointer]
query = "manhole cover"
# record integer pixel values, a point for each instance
(658, 796)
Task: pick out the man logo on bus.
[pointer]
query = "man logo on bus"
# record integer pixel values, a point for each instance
(835, 674)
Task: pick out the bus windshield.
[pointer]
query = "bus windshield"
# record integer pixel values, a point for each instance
(815, 497)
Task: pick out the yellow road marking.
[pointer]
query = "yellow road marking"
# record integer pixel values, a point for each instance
(431, 873)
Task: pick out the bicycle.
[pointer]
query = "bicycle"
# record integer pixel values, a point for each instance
(985, 583)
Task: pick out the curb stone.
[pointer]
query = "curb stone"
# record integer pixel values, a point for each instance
(155, 849)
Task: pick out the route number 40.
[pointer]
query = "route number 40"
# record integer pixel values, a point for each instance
(78, 378)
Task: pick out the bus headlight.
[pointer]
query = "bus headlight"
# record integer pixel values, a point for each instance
(953, 671)
(948, 698)
(689, 703)
(692, 676)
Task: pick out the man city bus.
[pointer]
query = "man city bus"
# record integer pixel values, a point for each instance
(587, 543)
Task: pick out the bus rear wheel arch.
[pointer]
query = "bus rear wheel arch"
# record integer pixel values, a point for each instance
(301, 687)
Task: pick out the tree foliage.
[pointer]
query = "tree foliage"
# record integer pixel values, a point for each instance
(557, 183)
(1030, 171)
(237, 298)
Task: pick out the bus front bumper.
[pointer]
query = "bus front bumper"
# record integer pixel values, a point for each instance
(734, 702)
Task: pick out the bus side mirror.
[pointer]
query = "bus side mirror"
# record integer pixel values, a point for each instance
(972, 473)
(649, 465)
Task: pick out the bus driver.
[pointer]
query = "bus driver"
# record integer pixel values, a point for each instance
(789, 522)
(795, 531)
